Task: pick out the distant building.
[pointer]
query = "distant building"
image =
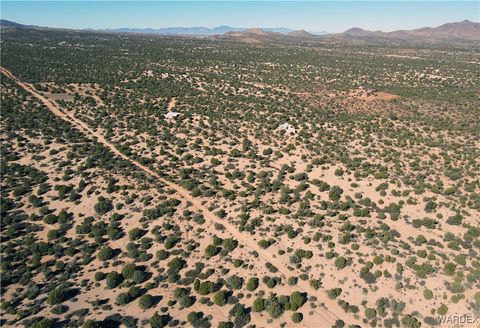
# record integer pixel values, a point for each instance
(170, 115)
(288, 128)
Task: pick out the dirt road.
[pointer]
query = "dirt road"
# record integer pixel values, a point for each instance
(326, 316)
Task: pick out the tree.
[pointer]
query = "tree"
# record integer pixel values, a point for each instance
(105, 253)
(135, 233)
(275, 309)
(334, 292)
(259, 304)
(113, 279)
(225, 324)
(252, 284)
(442, 310)
(340, 262)
(450, 268)
(234, 282)
(297, 317)
(241, 315)
(42, 323)
(157, 321)
(103, 206)
(91, 324)
(212, 250)
(297, 300)
(99, 275)
(455, 220)
(145, 302)
(427, 293)
(162, 255)
(370, 313)
(335, 193)
(220, 298)
(56, 296)
(128, 270)
(139, 276)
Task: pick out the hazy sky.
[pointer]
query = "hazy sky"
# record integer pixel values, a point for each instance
(315, 16)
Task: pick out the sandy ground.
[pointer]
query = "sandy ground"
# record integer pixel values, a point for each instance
(329, 315)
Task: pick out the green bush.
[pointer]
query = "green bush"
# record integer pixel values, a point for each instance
(113, 279)
(297, 317)
(252, 284)
(145, 302)
(370, 313)
(427, 293)
(340, 262)
(442, 310)
(105, 253)
(259, 304)
(56, 296)
(220, 298)
(157, 321)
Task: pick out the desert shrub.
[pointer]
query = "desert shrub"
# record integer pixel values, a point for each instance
(370, 313)
(334, 292)
(128, 270)
(427, 293)
(410, 321)
(234, 282)
(450, 268)
(162, 254)
(56, 296)
(455, 220)
(103, 205)
(297, 317)
(99, 275)
(240, 314)
(275, 309)
(135, 233)
(145, 302)
(220, 298)
(258, 304)
(252, 284)
(296, 300)
(105, 253)
(340, 262)
(157, 321)
(113, 279)
(335, 193)
(212, 250)
(442, 310)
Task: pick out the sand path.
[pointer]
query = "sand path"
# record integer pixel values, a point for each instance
(327, 315)
(171, 104)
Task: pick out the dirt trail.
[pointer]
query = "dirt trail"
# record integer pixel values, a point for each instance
(327, 315)
(171, 104)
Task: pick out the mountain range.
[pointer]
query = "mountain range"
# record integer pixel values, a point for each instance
(220, 30)
(464, 31)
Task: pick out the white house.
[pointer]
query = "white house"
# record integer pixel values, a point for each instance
(288, 128)
(171, 115)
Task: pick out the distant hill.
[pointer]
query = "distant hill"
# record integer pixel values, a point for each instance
(253, 32)
(301, 34)
(458, 32)
(257, 35)
(178, 30)
(199, 30)
(220, 30)
(8, 24)
(450, 32)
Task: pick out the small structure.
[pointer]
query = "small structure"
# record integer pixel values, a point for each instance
(288, 128)
(170, 115)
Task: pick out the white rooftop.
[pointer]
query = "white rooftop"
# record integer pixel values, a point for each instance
(288, 128)
(171, 115)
